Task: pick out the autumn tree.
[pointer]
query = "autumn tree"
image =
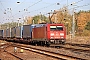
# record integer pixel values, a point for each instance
(87, 27)
(37, 19)
(10, 25)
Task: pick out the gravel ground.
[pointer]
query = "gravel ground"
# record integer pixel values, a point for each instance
(27, 55)
(78, 39)
(5, 56)
(2, 42)
(66, 52)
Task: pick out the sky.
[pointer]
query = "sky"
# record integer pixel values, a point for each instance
(10, 10)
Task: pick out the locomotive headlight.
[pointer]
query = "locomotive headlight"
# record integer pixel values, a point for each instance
(52, 40)
(61, 34)
(52, 34)
(62, 37)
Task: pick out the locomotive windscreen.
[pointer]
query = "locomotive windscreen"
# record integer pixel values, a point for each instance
(56, 28)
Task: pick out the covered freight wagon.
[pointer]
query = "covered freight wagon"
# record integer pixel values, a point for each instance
(13, 32)
(8, 33)
(27, 31)
(1, 33)
(39, 32)
(19, 32)
(4, 34)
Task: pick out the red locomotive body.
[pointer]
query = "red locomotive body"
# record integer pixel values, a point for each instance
(49, 34)
(56, 33)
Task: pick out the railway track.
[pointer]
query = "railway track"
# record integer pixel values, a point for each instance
(13, 55)
(52, 54)
(79, 45)
(72, 47)
(4, 46)
(49, 53)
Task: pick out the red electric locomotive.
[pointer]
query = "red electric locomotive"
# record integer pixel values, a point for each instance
(46, 34)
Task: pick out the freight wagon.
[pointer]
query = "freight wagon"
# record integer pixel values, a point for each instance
(4, 34)
(13, 32)
(26, 32)
(8, 33)
(1, 33)
(19, 32)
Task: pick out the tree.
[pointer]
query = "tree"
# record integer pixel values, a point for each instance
(39, 17)
(36, 18)
(10, 25)
(87, 27)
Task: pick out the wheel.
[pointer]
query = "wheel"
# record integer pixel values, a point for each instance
(63, 43)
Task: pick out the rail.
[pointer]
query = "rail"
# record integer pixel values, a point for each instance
(49, 53)
(4, 46)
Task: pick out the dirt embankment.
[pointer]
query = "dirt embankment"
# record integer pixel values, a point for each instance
(79, 39)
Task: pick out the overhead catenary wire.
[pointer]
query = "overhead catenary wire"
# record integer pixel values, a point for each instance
(72, 8)
(66, 6)
(17, 7)
(37, 9)
(44, 7)
(19, 4)
(34, 4)
(29, 6)
(4, 10)
(2, 5)
(81, 6)
(53, 4)
(41, 8)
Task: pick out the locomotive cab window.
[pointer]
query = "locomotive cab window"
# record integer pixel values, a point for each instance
(52, 27)
(60, 28)
(56, 28)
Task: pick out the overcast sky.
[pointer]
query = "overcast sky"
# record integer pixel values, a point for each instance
(25, 8)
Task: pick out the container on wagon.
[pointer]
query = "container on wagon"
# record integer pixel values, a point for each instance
(13, 32)
(8, 33)
(39, 32)
(1, 33)
(19, 32)
(4, 34)
(26, 31)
